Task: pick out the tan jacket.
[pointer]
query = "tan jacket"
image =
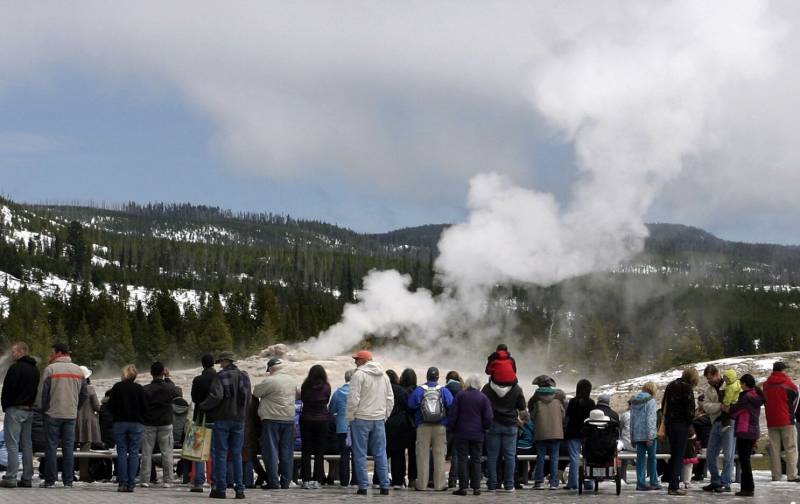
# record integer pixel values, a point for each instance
(62, 389)
(712, 401)
(277, 394)
(371, 396)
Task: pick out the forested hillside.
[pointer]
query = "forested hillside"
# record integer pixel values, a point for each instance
(140, 282)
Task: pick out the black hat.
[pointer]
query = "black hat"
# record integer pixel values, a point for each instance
(273, 362)
(226, 356)
(433, 374)
(61, 348)
(779, 366)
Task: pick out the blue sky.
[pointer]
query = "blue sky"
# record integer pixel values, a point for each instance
(376, 117)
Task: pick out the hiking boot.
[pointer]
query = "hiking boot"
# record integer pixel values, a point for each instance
(384, 491)
(711, 488)
(240, 495)
(216, 494)
(677, 492)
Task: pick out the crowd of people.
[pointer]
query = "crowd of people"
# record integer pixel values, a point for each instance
(481, 425)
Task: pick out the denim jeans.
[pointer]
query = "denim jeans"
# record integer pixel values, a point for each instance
(228, 437)
(128, 437)
(370, 435)
(60, 431)
(574, 448)
(725, 442)
(277, 449)
(646, 463)
(17, 433)
(501, 440)
(199, 473)
(543, 448)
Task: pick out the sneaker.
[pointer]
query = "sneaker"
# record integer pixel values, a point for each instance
(122, 489)
(166, 485)
(645, 488)
(307, 486)
(462, 491)
(722, 489)
(216, 494)
(144, 485)
(398, 487)
(711, 488)
(8, 483)
(553, 487)
(361, 491)
(656, 487)
(197, 489)
(476, 492)
(46, 484)
(510, 490)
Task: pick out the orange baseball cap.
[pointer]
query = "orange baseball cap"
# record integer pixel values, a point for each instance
(363, 354)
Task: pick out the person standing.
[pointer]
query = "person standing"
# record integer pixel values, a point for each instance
(679, 406)
(126, 403)
(469, 419)
(399, 432)
(781, 397)
(454, 384)
(226, 404)
(369, 405)
(159, 394)
(17, 398)
(315, 392)
(62, 391)
(719, 438)
(87, 427)
(201, 386)
(747, 411)
(644, 431)
(430, 403)
(408, 382)
(546, 406)
(338, 409)
(578, 409)
(277, 394)
(508, 408)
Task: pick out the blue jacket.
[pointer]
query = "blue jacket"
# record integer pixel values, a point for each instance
(415, 399)
(526, 438)
(643, 418)
(338, 408)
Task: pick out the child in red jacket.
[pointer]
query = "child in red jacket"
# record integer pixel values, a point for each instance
(501, 367)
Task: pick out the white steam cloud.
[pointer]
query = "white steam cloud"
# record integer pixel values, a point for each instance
(637, 106)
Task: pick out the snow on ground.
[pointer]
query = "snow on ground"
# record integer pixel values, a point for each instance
(204, 234)
(5, 215)
(26, 236)
(103, 262)
(100, 249)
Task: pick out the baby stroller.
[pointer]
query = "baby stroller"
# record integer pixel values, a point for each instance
(600, 461)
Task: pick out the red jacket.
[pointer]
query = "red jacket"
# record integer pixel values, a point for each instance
(502, 368)
(781, 400)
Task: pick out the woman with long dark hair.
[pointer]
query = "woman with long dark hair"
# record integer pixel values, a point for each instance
(408, 382)
(747, 411)
(315, 394)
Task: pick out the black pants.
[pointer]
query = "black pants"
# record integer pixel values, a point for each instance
(678, 433)
(744, 448)
(346, 462)
(397, 463)
(469, 463)
(314, 437)
(523, 467)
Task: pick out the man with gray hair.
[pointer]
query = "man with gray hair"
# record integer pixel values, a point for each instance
(277, 394)
(338, 409)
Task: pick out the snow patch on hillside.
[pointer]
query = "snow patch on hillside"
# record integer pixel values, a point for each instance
(102, 262)
(204, 234)
(5, 215)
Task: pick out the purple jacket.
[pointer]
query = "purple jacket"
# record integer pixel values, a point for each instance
(471, 415)
(746, 412)
(315, 402)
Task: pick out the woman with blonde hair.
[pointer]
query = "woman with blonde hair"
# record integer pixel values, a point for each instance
(643, 436)
(127, 405)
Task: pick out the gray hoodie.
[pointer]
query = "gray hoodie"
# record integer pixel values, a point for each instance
(371, 396)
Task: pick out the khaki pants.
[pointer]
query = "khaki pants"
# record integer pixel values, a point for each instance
(786, 436)
(163, 435)
(431, 436)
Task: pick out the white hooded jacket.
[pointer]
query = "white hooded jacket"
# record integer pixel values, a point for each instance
(371, 396)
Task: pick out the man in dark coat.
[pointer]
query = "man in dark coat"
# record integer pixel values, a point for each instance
(201, 386)
(19, 393)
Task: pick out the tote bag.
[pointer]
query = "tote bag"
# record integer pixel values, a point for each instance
(197, 444)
